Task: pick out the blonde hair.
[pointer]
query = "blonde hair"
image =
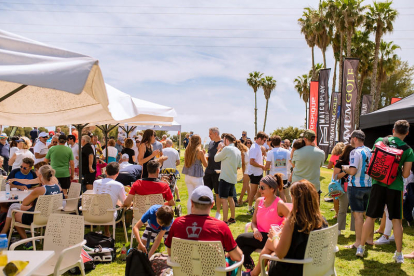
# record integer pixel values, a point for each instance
(47, 172)
(242, 147)
(27, 143)
(338, 149)
(191, 152)
(111, 143)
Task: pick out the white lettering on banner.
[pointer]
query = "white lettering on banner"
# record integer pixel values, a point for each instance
(313, 109)
(364, 109)
(348, 128)
(333, 121)
(322, 114)
(323, 140)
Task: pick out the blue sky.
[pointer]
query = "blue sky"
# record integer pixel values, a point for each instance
(137, 46)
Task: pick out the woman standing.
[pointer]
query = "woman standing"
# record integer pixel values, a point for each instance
(112, 151)
(23, 151)
(128, 150)
(194, 160)
(245, 165)
(336, 152)
(145, 151)
(186, 140)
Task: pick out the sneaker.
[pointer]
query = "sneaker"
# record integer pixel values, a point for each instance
(391, 238)
(251, 211)
(360, 251)
(382, 240)
(28, 246)
(339, 232)
(231, 221)
(398, 257)
(218, 216)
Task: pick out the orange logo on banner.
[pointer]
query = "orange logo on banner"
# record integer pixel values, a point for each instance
(313, 106)
(394, 100)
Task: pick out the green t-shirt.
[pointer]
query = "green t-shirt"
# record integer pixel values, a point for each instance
(408, 156)
(308, 162)
(59, 157)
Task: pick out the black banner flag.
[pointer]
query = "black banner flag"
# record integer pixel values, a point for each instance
(335, 103)
(323, 111)
(349, 98)
(366, 104)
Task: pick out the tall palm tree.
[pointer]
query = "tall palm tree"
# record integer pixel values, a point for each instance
(387, 64)
(315, 73)
(268, 85)
(321, 30)
(379, 18)
(302, 87)
(254, 82)
(307, 29)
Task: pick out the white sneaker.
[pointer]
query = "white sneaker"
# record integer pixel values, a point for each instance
(382, 240)
(398, 257)
(218, 216)
(339, 232)
(391, 238)
(360, 251)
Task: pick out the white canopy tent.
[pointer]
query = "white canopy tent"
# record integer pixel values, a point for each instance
(175, 126)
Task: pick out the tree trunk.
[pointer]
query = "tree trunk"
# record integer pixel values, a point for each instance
(378, 35)
(264, 125)
(378, 96)
(255, 112)
(313, 62)
(306, 109)
(334, 76)
(348, 43)
(341, 62)
(324, 58)
(359, 100)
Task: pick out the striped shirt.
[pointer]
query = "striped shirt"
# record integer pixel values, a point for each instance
(359, 159)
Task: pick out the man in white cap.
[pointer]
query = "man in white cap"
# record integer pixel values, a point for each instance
(41, 149)
(5, 151)
(124, 161)
(200, 226)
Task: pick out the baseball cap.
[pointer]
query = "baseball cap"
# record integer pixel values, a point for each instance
(43, 134)
(3, 136)
(125, 156)
(19, 140)
(62, 137)
(200, 192)
(121, 139)
(358, 134)
(51, 132)
(308, 134)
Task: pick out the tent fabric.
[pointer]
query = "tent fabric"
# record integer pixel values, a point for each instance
(174, 127)
(401, 110)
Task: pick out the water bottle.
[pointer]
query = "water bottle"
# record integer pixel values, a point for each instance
(123, 253)
(7, 190)
(3, 249)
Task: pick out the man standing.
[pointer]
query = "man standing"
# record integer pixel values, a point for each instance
(157, 145)
(5, 151)
(359, 183)
(211, 177)
(34, 133)
(287, 143)
(244, 137)
(200, 226)
(75, 151)
(61, 158)
(59, 131)
(88, 160)
(40, 149)
(278, 159)
(308, 161)
(173, 157)
(256, 166)
(390, 195)
(75, 133)
(230, 158)
(164, 138)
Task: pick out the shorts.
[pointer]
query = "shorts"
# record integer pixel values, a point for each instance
(154, 233)
(255, 179)
(226, 189)
(358, 198)
(64, 182)
(211, 180)
(28, 218)
(381, 196)
(89, 178)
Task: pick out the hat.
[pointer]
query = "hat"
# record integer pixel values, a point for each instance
(358, 134)
(43, 134)
(200, 192)
(308, 134)
(125, 156)
(3, 136)
(19, 140)
(51, 132)
(71, 137)
(62, 137)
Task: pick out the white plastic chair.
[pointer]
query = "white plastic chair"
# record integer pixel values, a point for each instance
(64, 235)
(97, 209)
(141, 204)
(73, 199)
(45, 205)
(319, 259)
(201, 258)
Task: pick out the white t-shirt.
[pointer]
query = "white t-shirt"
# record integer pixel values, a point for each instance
(20, 155)
(13, 150)
(247, 162)
(279, 159)
(112, 152)
(124, 165)
(256, 154)
(112, 187)
(41, 149)
(75, 151)
(173, 156)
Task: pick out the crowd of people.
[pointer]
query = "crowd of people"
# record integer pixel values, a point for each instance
(281, 182)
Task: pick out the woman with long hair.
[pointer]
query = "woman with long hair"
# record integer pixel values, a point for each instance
(23, 145)
(336, 152)
(245, 165)
(146, 153)
(290, 242)
(194, 160)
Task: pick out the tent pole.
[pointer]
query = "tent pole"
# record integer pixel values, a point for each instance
(179, 143)
(106, 129)
(12, 92)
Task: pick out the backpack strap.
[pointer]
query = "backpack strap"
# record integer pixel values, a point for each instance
(386, 141)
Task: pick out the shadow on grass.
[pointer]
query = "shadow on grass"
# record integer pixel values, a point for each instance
(371, 266)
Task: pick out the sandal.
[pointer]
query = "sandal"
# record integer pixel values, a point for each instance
(378, 232)
(352, 246)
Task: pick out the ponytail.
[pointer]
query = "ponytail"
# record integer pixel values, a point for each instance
(47, 172)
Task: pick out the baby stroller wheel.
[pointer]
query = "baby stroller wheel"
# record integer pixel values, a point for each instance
(178, 211)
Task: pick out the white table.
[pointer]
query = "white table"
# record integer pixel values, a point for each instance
(36, 259)
(22, 195)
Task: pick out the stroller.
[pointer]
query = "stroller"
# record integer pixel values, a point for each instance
(172, 175)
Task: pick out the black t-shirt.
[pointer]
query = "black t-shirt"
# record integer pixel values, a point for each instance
(130, 153)
(86, 151)
(338, 165)
(212, 165)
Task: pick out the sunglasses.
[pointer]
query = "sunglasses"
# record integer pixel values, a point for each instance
(249, 143)
(244, 134)
(261, 187)
(24, 168)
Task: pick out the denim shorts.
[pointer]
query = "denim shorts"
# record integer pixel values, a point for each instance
(358, 198)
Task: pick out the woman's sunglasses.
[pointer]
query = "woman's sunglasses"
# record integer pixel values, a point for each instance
(261, 187)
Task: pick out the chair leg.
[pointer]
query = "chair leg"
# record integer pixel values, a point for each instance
(125, 230)
(11, 230)
(132, 239)
(33, 235)
(81, 267)
(113, 231)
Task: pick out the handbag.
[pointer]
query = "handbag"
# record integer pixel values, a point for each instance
(335, 189)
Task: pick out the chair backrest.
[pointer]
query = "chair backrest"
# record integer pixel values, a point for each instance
(321, 248)
(47, 204)
(197, 257)
(95, 208)
(74, 192)
(143, 202)
(63, 231)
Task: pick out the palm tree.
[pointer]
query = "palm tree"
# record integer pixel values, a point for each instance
(307, 29)
(254, 82)
(387, 64)
(315, 72)
(302, 87)
(268, 84)
(379, 18)
(321, 30)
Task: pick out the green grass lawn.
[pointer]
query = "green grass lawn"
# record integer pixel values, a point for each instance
(378, 261)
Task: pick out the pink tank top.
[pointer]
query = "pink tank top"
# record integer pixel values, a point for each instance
(267, 216)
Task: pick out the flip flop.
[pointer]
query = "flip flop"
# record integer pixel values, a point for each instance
(352, 246)
(378, 232)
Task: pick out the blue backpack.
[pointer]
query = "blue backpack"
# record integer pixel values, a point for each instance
(335, 188)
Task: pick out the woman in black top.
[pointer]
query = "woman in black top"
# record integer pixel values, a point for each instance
(128, 150)
(145, 152)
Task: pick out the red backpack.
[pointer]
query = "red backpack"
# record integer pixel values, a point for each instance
(384, 162)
